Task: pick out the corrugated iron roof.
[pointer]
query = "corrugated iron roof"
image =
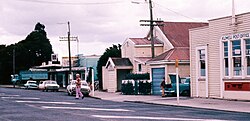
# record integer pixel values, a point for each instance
(144, 41)
(178, 32)
(180, 53)
(121, 62)
(143, 59)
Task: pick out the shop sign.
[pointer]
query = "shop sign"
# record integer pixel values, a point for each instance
(236, 36)
(237, 86)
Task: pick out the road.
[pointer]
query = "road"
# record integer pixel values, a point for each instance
(35, 105)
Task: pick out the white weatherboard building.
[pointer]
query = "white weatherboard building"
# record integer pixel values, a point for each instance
(220, 58)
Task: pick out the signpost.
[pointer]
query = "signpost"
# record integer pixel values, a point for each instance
(177, 81)
(93, 83)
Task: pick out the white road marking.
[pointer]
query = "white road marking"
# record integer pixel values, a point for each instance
(44, 102)
(152, 118)
(10, 95)
(78, 108)
(24, 98)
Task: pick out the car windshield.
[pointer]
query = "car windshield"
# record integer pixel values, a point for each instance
(51, 82)
(32, 82)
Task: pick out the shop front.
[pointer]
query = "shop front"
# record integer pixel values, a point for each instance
(220, 58)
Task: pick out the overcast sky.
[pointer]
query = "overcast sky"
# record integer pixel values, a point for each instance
(101, 23)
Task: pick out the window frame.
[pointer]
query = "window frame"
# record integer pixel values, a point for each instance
(243, 55)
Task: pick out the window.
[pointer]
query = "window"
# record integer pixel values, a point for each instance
(139, 68)
(247, 42)
(236, 52)
(202, 62)
(226, 58)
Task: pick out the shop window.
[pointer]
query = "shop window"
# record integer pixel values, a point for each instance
(226, 58)
(236, 52)
(202, 62)
(247, 42)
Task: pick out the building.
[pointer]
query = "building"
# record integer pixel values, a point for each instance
(220, 58)
(175, 36)
(171, 42)
(89, 61)
(65, 61)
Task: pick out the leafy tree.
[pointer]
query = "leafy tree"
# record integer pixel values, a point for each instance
(31, 51)
(114, 51)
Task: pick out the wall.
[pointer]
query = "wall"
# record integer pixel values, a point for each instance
(145, 51)
(198, 37)
(211, 37)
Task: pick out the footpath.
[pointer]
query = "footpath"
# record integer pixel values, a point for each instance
(204, 103)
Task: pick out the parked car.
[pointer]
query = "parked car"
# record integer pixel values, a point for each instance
(71, 88)
(184, 86)
(31, 85)
(48, 85)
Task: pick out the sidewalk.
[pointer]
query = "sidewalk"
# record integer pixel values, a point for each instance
(217, 104)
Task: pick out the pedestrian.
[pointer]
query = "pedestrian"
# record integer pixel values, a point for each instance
(78, 87)
(163, 84)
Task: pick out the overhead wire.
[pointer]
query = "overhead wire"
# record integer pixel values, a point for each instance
(175, 12)
(71, 3)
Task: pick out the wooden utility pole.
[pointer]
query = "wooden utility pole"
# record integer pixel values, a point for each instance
(151, 24)
(68, 38)
(70, 75)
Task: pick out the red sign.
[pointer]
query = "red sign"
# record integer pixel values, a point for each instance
(237, 86)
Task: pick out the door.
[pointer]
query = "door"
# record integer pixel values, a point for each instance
(157, 75)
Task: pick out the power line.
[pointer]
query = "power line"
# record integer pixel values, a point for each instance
(175, 12)
(71, 3)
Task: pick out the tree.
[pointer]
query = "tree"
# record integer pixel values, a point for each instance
(31, 51)
(114, 51)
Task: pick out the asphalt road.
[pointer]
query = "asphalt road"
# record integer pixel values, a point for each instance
(35, 105)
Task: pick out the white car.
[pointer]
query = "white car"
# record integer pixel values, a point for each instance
(30, 85)
(48, 85)
(71, 88)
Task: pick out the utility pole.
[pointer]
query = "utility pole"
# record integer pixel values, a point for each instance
(70, 73)
(151, 29)
(151, 24)
(68, 38)
(14, 61)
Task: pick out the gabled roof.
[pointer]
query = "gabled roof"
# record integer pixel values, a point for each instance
(144, 41)
(142, 59)
(178, 32)
(180, 53)
(121, 62)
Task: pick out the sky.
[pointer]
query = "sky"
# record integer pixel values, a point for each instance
(100, 23)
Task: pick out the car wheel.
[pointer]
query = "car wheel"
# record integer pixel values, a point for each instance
(185, 93)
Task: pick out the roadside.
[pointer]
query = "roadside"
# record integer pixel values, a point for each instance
(205, 103)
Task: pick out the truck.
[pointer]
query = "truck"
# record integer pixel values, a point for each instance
(24, 76)
(184, 86)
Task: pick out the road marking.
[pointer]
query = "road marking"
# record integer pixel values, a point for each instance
(95, 109)
(9, 95)
(22, 98)
(152, 118)
(44, 102)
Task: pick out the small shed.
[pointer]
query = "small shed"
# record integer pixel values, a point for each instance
(114, 72)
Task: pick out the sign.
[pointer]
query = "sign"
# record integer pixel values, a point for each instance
(237, 86)
(54, 57)
(236, 36)
(176, 63)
